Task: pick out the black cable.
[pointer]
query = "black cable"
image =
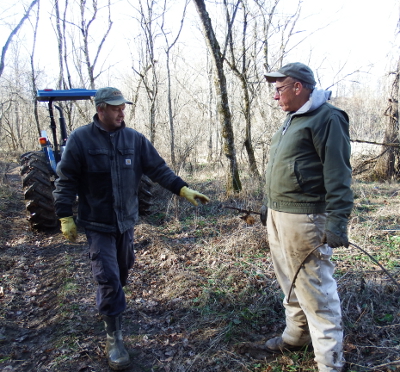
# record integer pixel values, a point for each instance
(354, 245)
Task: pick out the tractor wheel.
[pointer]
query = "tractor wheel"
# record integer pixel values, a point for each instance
(38, 185)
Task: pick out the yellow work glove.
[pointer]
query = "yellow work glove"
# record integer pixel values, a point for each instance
(68, 228)
(191, 196)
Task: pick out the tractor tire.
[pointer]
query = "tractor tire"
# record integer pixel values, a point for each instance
(38, 185)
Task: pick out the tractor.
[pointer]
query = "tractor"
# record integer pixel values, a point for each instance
(38, 168)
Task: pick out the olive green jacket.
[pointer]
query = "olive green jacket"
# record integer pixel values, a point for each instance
(309, 167)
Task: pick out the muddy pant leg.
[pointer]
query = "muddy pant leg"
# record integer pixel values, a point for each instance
(320, 301)
(314, 307)
(107, 251)
(296, 331)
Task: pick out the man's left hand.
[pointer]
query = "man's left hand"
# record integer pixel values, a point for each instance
(68, 228)
(334, 240)
(191, 196)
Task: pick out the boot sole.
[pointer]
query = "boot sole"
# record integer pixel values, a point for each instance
(287, 349)
(118, 367)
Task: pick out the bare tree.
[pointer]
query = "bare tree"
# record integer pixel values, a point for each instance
(169, 46)
(13, 33)
(148, 73)
(233, 179)
(241, 72)
(267, 16)
(80, 47)
(61, 44)
(78, 55)
(33, 72)
(288, 30)
(16, 109)
(85, 31)
(151, 87)
(210, 113)
(388, 164)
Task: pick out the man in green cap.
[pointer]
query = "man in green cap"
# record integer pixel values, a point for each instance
(309, 203)
(103, 163)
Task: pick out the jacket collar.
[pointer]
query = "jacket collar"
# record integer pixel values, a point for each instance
(317, 98)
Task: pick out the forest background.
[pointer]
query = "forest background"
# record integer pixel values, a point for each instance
(155, 52)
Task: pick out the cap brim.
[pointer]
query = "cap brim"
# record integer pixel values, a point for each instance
(273, 76)
(117, 102)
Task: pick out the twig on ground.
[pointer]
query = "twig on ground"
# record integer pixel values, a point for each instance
(394, 363)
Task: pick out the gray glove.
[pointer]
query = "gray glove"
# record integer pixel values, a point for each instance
(334, 240)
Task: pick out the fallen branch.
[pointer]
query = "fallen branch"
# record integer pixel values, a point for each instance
(377, 143)
(361, 167)
(395, 362)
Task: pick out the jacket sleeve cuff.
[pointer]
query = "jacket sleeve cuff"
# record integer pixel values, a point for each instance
(64, 212)
(177, 185)
(336, 225)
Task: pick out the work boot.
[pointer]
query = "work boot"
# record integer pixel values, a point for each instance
(276, 345)
(117, 356)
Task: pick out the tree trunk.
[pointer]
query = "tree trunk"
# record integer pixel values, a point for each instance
(170, 116)
(210, 113)
(153, 120)
(33, 74)
(388, 165)
(241, 73)
(59, 46)
(248, 141)
(169, 96)
(233, 180)
(146, 13)
(84, 28)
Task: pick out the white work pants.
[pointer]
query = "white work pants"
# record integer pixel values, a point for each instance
(313, 311)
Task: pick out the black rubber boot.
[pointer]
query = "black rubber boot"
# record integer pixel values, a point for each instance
(117, 356)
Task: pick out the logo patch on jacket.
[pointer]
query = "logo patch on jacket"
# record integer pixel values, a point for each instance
(128, 161)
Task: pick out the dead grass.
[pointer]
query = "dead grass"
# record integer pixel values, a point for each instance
(203, 284)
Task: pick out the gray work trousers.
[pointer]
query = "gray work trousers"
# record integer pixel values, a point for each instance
(111, 256)
(313, 312)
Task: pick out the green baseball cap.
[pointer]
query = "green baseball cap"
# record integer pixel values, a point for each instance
(111, 96)
(295, 70)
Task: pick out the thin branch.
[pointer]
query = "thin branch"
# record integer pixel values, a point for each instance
(343, 78)
(376, 143)
(12, 34)
(394, 363)
(170, 46)
(110, 23)
(229, 23)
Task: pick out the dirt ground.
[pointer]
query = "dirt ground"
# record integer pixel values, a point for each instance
(48, 318)
(202, 285)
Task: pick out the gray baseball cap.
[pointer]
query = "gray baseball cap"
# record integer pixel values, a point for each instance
(111, 96)
(295, 70)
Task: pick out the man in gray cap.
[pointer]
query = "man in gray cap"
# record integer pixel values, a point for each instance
(310, 200)
(103, 163)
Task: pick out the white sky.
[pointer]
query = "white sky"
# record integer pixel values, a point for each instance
(361, 33)
(356, 34)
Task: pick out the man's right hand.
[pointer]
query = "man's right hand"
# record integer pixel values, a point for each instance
(68, 228)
